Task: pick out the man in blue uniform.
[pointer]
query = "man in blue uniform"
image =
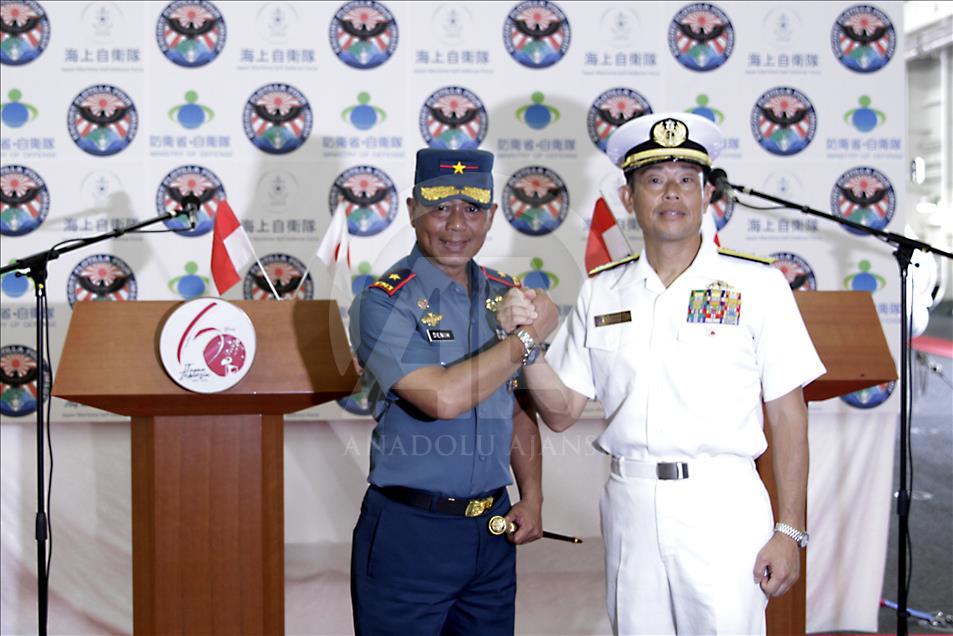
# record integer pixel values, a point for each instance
(442, 375)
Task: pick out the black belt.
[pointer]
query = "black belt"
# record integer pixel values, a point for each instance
(470, 507)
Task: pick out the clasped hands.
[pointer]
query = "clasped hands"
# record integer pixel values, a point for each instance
(532, 309)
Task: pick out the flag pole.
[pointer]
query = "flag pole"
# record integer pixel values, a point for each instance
(261, 267)
(305, 275)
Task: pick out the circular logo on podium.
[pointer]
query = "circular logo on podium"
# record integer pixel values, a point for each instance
(207, 345)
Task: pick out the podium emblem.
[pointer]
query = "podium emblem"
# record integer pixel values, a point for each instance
(207, 345)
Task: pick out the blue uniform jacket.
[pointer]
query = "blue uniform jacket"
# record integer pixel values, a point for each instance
(413, 317)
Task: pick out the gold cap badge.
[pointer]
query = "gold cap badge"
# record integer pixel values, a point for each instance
(669, 133)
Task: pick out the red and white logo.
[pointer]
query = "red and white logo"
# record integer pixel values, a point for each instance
(207, 345)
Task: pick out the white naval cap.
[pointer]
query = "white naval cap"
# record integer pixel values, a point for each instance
(665, 137)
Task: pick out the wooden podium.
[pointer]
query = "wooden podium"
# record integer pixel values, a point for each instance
(207, 480)
(846, 331)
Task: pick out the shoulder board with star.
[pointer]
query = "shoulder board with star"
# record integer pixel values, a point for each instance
(764, 260)
(500, 277)
(392, 281)
(631, 258)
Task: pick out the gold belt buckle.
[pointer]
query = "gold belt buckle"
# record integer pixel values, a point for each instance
(476, 507)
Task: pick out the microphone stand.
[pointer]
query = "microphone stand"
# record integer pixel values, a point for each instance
(904, 248)
(35, 266)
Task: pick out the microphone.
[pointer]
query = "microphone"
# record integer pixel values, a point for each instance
(191, 204)
(719, 178)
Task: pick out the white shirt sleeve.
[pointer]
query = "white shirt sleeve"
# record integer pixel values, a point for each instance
(568, 355)
(786, 356)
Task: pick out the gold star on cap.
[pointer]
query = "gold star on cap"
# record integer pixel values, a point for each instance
(458, 167)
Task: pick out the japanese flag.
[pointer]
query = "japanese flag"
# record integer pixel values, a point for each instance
(231, 249)
(334, 249)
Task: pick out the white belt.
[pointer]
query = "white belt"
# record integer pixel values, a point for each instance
(624, 467)
(721, 465)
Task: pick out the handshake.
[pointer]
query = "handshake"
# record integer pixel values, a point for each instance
(531, 309)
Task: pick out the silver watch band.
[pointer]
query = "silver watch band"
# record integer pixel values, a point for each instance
(799, 537)
(529, 344)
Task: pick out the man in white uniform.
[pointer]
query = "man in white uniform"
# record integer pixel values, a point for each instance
(682, 345)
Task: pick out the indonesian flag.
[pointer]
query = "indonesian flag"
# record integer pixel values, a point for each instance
(231, 249)
(606, 241)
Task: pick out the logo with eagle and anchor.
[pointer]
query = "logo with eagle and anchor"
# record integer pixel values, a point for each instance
(24, 200)
(863, 38)
(18, 376)
(194, 181)
(369, 199)
(363, 34)
(610, 110)
(101, 277)
(701, 37)
(536, 33)
(102, 120)
(535, 200)
(277, 119)
(453, 117)
(797, 271)
(191, 33)
(285, 272)
(783, 121)
(24, 31)
(864, 195)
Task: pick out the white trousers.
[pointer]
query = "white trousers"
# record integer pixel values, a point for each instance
(680, 553)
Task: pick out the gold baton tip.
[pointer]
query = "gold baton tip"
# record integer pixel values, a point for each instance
(499, 525)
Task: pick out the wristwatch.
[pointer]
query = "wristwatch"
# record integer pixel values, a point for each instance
(530, 348)
(801, 538)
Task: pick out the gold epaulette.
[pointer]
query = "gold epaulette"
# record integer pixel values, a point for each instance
(764, 260)
(613, 264)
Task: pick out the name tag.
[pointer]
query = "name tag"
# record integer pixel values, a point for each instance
(613, 319)
(439, 335)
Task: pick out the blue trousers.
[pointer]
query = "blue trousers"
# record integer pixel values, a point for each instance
(419, 572)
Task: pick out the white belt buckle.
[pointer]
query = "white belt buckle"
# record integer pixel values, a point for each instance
(671, 470)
